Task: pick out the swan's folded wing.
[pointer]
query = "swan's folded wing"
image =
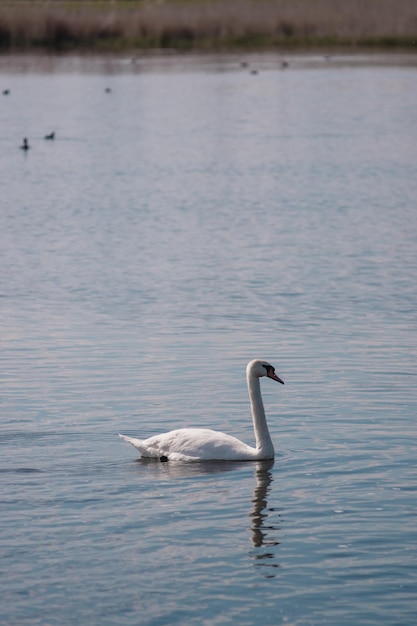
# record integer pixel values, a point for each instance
(156, 451)
(194, 444)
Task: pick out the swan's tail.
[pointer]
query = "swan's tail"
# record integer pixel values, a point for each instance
(142, 447)
(156, 453)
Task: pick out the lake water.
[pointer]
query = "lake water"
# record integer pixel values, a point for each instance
(197, 216)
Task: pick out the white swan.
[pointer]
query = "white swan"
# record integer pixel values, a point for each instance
(203, 444)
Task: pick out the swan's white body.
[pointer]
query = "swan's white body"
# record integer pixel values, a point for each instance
(203, 444)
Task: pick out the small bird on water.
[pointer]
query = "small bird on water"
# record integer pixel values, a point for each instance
(25, 145)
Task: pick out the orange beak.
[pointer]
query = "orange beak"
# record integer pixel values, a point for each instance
(271, 374)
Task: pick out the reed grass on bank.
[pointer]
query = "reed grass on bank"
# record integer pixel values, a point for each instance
(205, 24)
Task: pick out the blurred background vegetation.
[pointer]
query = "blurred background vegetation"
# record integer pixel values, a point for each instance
(206, 24)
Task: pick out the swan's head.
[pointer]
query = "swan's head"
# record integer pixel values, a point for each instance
(260, 368)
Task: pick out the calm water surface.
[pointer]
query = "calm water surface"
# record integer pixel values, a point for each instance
(191, 219)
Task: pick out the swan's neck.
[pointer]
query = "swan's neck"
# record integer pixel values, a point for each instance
(263, 440)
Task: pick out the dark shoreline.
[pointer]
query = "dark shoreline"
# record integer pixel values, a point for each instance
(207, 26)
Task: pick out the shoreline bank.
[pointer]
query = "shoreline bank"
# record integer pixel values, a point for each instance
(204, 25)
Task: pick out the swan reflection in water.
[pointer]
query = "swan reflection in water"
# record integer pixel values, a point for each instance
(263, 529)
